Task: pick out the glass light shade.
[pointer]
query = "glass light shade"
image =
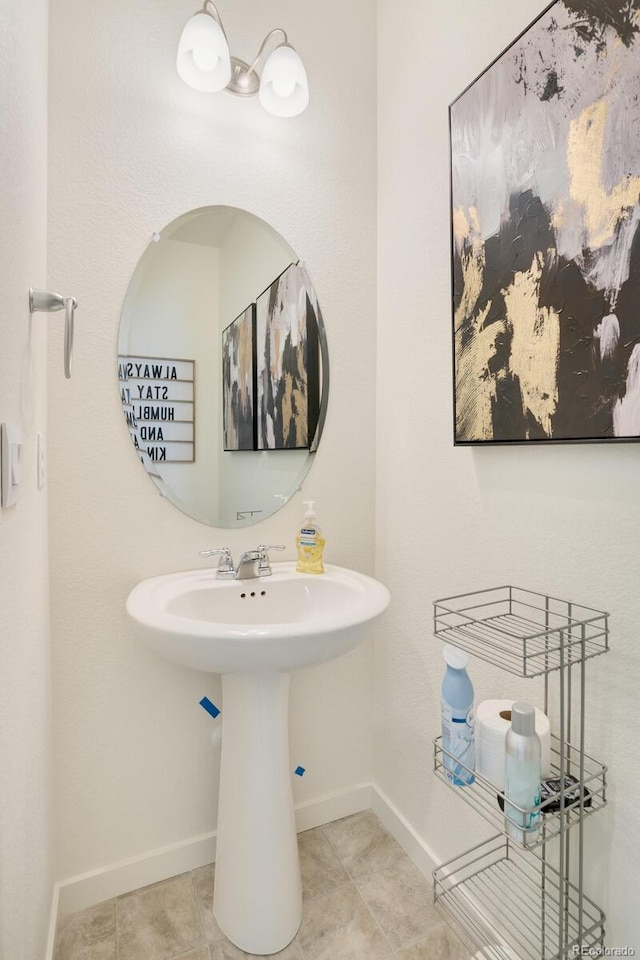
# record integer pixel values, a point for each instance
(284, 88)
(203, 54)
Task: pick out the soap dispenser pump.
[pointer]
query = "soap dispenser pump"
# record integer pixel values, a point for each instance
(310, 542)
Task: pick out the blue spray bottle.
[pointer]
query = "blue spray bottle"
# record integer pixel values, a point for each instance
(458, 734)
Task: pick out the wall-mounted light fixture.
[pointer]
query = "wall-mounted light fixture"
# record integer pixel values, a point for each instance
(205, 63)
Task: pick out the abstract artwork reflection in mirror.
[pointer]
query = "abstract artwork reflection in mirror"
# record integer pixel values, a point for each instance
(288, 375)
(546, 249)
(238, 381)
(271, 369)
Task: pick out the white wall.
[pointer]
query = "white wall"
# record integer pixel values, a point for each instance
(560, 519)
(251, 257)
(26, 873)
(132, 148)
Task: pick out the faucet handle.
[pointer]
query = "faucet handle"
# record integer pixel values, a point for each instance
(225, 564)
(264, 566)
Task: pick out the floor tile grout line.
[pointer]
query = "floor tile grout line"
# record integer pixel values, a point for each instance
(369, 873)
(326, 893)
(298, 942)
(344, 866)
(415, 940)
(425, 936)
(199, 908)
(202, 945)
(366, 906)
(372, 873)
(352, 880)
(185, 953)
(337, 855)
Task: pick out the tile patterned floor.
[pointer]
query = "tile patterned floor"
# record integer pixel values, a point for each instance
(363, 900)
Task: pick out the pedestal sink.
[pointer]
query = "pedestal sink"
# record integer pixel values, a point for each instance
(254, 633)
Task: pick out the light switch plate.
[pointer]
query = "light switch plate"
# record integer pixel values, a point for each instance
(11, 468)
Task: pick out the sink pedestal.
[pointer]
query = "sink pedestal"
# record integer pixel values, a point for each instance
(258, 893)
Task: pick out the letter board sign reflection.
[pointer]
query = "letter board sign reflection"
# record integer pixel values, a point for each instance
(158, 399)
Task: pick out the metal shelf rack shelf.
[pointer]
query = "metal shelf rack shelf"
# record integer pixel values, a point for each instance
(494, 897)
(525, 633)
(485, 798)
(503, 901)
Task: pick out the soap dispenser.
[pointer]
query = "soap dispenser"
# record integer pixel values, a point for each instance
(310, 542)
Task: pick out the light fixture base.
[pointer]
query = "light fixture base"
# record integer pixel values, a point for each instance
(244, 82)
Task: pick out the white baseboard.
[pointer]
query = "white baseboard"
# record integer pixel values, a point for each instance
(400, 828)
(116, 878)
(333, 806)
(83, 891)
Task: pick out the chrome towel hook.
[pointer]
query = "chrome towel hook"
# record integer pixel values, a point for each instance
(42, 302)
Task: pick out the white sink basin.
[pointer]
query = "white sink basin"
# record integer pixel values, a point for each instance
(255, 632)
(281, 622)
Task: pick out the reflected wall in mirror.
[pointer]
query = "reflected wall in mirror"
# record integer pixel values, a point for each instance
(223, 366)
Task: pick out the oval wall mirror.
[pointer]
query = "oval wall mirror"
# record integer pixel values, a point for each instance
(223, 367)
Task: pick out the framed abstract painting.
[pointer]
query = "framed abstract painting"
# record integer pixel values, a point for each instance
(545, 210)
(238, 382)
(288, 363)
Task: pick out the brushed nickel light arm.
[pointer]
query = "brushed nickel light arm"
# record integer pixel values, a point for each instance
(210, 8)
(245, 81)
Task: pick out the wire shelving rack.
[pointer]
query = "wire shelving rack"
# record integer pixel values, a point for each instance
(505, 898)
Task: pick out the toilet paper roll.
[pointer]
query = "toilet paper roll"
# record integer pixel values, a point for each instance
(493, 719)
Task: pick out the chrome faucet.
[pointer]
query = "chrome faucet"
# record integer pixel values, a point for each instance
(255, 563)
(252, 564)
(225, 569)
